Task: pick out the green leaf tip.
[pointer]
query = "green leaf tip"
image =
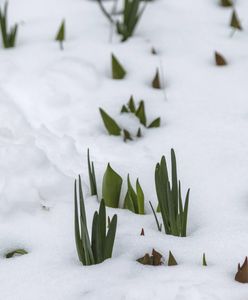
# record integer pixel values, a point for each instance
(60, 36)
(171, 260)
(92, 176)
(126, 135)
(155, 123)
(118, 72)
(140, 113)
(131, 105)
(156, 83)
(110, 124)
(204, 261)
(111, 187)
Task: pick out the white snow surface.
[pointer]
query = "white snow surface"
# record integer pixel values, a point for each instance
(49, 102)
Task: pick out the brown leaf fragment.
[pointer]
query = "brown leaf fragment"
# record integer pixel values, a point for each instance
(242, 274)
(219, 59)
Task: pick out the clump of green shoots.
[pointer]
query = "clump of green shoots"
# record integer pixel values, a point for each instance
(60, 36)
(102, 241)
(134, 200)
(170, 204)
(8, 35)
(111, 191)
(118, 71)
(139, 112)
(130, 16)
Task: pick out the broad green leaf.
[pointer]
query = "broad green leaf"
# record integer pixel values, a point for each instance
(110, 124)
(111, 187)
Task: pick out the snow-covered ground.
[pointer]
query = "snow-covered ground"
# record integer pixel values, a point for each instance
(49, 102)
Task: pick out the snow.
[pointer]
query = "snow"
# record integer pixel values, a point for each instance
(49, 102)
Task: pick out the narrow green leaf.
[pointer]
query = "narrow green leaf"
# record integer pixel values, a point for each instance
(155, 216)
(204, 261)
(140, 113)
(110, 238)
(92, 177)
(185, 215)
(110, 124)
(124, 109)
(140, 198)
(60, 36)
(111, 187)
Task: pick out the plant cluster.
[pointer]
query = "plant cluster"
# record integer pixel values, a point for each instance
(100, 247)
(8, 35)
(174, 213)
(111, 191)
(130, 16)
(138, 111)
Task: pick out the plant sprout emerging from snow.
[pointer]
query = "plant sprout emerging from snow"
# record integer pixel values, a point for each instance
(8, 36)
(118, 71)
(174, 214)
(156, 82)
(111, 191)
(60, 36)
(92, 176)
(130, 16)
(101, 245)
(114, 128)
(219, 59)
(235, 22)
